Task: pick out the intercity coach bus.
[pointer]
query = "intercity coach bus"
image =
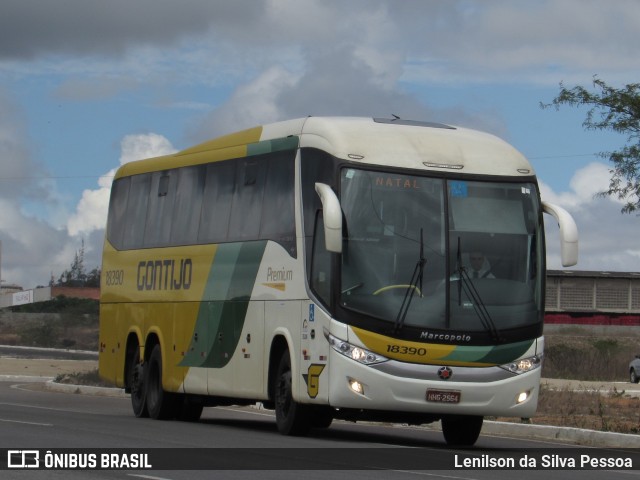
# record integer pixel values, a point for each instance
(330, 268)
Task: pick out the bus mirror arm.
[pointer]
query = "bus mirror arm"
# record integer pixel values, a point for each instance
(332, 216)
(568, 233)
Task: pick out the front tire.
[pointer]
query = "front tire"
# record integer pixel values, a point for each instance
(462, 430)
(292, 418)
(159, 403)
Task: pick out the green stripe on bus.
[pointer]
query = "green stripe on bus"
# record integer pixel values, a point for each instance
(274, 145)
(225, 303)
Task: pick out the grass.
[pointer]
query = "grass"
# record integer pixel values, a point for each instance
(589, 357)
(613, 411)
(75, 331)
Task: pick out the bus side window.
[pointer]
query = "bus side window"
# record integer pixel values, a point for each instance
(246, 207)
(158, 226)
(187, 205)
(136, 215)
(216, 203)
(278, 220)
(117, 223)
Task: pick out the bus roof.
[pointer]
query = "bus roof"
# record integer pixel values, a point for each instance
(390, 142)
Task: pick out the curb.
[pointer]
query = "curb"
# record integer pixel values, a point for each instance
(577, 436)
(54, 386)
(24, 378)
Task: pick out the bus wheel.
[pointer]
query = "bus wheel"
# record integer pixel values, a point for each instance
(462, 430)
(135, 380)
(159, 403)
(292, 418)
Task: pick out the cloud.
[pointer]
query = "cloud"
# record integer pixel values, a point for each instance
(83, 89)
(34, 250)
(251, 104)
(91, 211)
(607, 238)
(29, 244)
(278, 59)
(585, 184)
(419, 41)
(17, 179)
(334, 82)
(522, 42)
(146, 145)
(29, 28)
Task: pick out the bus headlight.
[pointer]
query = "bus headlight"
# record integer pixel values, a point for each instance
(524, 365)
(353, 352)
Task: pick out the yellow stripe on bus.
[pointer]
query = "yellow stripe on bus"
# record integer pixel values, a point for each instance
(223, 148)
(419, 352)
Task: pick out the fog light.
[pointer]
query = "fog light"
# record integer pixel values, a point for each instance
(522, 397)
(356, 386)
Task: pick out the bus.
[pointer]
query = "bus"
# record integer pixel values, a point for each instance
(324, 268)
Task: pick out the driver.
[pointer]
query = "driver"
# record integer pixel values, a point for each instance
(480, 266)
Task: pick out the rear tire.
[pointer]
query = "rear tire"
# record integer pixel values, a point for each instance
(161, 404)
(292, 418)
(461, 430)
(633, 376)
(135, 381)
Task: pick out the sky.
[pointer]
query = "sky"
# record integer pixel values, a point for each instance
(86, 86)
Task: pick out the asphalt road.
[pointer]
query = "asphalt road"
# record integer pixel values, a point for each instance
(245, 443)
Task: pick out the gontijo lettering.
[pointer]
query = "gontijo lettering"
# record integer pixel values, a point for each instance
(168, 274)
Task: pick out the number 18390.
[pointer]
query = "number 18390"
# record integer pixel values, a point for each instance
(114, 277)
(406, 350)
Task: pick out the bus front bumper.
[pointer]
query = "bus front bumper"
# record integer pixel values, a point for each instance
(357, 386)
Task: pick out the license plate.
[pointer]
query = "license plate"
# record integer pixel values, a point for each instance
(443, 396)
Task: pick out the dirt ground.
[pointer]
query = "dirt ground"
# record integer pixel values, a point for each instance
(44, 367)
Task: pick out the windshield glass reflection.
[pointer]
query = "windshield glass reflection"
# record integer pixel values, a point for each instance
(464, 255)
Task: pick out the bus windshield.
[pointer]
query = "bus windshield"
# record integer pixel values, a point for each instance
(440, 254)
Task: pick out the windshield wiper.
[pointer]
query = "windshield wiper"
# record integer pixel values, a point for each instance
(415, 284)
(470, 290)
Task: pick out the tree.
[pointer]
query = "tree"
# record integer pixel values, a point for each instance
(617, 110)
(77, 276)
(93, 278)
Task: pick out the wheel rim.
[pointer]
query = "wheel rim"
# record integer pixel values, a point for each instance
(283, 396)
(136, 383)
(152, 392)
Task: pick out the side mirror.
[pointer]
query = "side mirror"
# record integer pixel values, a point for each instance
(568, 233)
(332, 215)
